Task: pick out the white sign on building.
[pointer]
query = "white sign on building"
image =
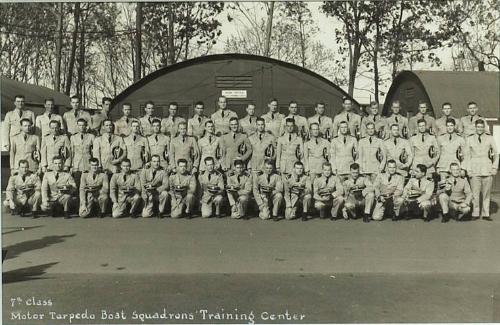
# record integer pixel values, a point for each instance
(234, 94)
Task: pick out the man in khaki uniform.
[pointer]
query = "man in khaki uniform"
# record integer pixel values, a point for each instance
(25, 146)
(42, 121)
(347, 115)
(196, 124)
(222, 116)
(94, 189)
(234, 145)
(273, 118)
(301, 126)
(441, 122)
(81, 150)
(182, 190)
(316, 152)
(451, 148)
(159, 144)
(23, 191)
(72, 116)
(455, 196)
(375, 118)
(298, 193)
(371, 158)
(155, 188)
(396, 118)
(137, 148)
(109, 149)
(263, 147)
(469, 121)
(417, 193)
(388, 188)
(248, 124)
(425, 148)
(482, 164)
(343, 151)
(399, 150)
(147, 120)
(328, 192)
(184, 147)
(11, 125)
(55, 144)
(58, 189)
(170, 124)
(123, 126)
(359, 195)
(268, 192)
(324, 122)
(209, 146)
(125, 189)
(239, 190)
(99, 117)
(212, 188)
(422, 114)
(290, 149)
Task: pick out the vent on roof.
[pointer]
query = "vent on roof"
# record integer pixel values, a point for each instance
(233, 81)
(410, 92)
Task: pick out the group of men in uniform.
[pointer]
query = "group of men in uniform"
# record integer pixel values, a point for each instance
(349, 166)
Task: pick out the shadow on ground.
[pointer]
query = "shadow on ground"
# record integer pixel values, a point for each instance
(26, 273)
(26, 246)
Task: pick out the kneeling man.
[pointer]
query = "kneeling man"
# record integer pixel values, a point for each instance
(239, 190)
(125, 191)
(268, 192)
(388, 188)
(154, 182)
(418, 193)
(298, 192)
(359, 195)
(212, 187)
(182, 190)
(94, 188)
(23, 190)
(457, 195)
(328, 192)
(58, 188)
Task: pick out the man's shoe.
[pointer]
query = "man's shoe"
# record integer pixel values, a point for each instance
(276, 218)
(67, 215)
(366, 217)
(445, 218)
(487, 219)
(304, 217)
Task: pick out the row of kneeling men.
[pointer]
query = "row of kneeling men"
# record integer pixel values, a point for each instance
(153, 190)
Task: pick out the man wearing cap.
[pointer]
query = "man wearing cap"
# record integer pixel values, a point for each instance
(396, 118)
(23, 190)
(55, 144)
(290, 149)
(125, 190)
(343, 151)
(137, 147)
(417, 193)
(42, 121)
(328, 192)
(222, 116)
(182, 190)
(451, 147)
(430, 122)
(425, 148)
(248, 123)
(301, 126)
(263, 147)
(58, 189)
(239, 190)
(324, 122)
(399, 150)
(347, 115)
(359, 195)
(234, 145)
(441, 122)
(196, 124)
(371, 158)
(184, 147)
(147, 120)
(316, 152)
(456, 196)
(388, 188)
(298, 193)
(209, 146)
(469, 121)
(109, 149)
(268, 192)
(212, 188)
(11, 125)
(94, 189)
(73, 115)
(159, 144)
(81, 150)
(155, 188)
(273, 118)
(25, 146)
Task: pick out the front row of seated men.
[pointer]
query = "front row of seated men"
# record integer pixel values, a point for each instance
(152, 190)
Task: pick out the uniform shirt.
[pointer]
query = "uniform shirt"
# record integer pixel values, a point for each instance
(469, 124)
(81, 150)
(315, 151)
(301, 125)
(210, 179)
(22, 147)
(187, 148)
(146, 125)
(449, 144)
(244, 182)
(51, 182)
(386, 184)
(137, 148)
(52, 146)
(441, 125)
(42, 122)
(230, 144)
(16, 182)
(170, 125)
(273, 180)
(393, 149)
(209, 147)
(248, 125)
(119, 182)
(343, 152)
(423, 185)
(11, 125)
(273, 122)
(460, 190)
(260, 144)
(379, 125)
(196, 126)
(325, 124)
(186, 180)
(154, 177)
(477, 159)
(286, 154)
(353, 120)
(294, 180)
(71, 117)
(96, 121)
(123, 126)
(221, 120)
(399, 120)
(421, 144)
(370, 150)
(158, 145)
(103, 150)
(361, 182)
(94, 179)
(331, 183)
(413, 124)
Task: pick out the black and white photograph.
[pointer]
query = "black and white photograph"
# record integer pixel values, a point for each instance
(263, 162)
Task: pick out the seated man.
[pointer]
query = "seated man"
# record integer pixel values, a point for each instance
(456, 195)
(125, 188)
(155, 187)
(182, 190)
(388, 191)
(58, 189)
(239, 190)
(359, 194)
(268, 192)
(298, 192)
(328, 192)
(212, 187)
(23, 190)
(418, 192)
(94, 189)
